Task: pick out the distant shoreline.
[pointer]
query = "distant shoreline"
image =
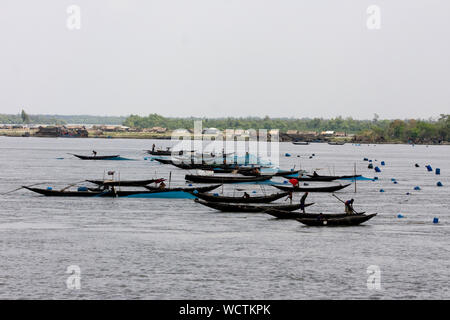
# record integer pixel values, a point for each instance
(153, 136)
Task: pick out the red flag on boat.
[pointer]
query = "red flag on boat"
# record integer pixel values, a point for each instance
(294, 182)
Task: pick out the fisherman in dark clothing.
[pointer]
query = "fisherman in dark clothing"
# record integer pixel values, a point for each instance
(302, 202)
(349, 206)
(289, 197)
(246, 195)
(94, 152)
(153, 148)
(315, 174)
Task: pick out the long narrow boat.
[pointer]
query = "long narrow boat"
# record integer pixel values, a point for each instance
(349, 220)
(259, 199)
(113, 157)
(331, 178)
(125, 183)
(282, 214)
(113, 194)
(312, 189)
(187, 189)
(279, 173)
(300, 143)
(224, 179)
(165, 152)
(226, 207)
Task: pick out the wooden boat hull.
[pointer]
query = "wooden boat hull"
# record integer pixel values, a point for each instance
(331, 178)
(260, 199)
(117, 194)
(349, 220)
(312, 189)
(224, 179)
(187, 189)
(226, 207)
(281, 173)
(125, 183)
(281, 214)
(113, 157)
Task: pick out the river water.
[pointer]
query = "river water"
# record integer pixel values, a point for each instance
(177, 249)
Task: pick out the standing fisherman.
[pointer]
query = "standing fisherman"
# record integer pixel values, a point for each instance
(302, 202)
(349, 206)
(289, 197)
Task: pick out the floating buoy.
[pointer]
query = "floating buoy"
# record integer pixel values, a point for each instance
(400, 216)
(377, 169)
(145, 158)
(190, 184)
(392, 179)
(59, 158)
(370, 160)
(416, 165)
(313, 154)
(365, 159)
(416, 188)
(439, 184)
(435, 220)
(408, 193)
(383, 163)
(438, 171)
(429, 168)
(370, 166)
(395, 182)
(287, 154)
(375, 178)
(195, 192)
(49, 188)
(381, 190)
(253, 191)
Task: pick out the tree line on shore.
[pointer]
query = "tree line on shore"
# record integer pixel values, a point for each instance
(375, 130)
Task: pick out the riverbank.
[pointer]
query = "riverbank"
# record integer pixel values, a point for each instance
(168, 136)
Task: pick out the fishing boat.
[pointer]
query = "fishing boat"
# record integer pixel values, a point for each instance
(312, 189)
(282, 214)
(257, 199)
(336, 143)
(224, 179)
(226, 207)
(300, 143)
(349, 220)
(112, 157)
(186, 189)
(125, 183)
(279, 173)
(113, 193)
(317, 177)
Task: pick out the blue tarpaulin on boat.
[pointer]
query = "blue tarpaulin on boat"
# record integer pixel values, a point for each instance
(163, 195)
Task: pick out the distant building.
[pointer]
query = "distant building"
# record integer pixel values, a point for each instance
(291, 132)
(61, 131)
(327, 133)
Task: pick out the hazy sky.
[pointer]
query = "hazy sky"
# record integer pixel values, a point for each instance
(287, 58)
